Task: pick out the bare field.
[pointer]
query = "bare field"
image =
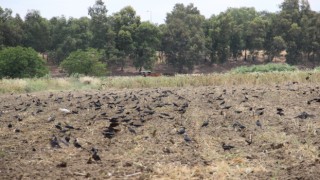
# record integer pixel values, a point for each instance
(163, 133)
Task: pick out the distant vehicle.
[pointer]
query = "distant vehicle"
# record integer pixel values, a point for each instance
(149, 73)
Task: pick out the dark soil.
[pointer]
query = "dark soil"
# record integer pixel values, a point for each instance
(169, 133)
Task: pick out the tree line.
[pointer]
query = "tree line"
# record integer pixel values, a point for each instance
(186, 38)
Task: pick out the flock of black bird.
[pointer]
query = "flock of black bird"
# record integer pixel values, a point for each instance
(129, 111)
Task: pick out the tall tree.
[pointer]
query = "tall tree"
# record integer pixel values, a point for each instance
(256, 35)
(5, 15)
(68, 36)
(124, 23)
(147, 41)
(36, 30)
(11, 28)
(289, 18)
(98, 24)
(184, 37)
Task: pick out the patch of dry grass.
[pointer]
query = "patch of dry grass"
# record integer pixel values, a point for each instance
(227, 79)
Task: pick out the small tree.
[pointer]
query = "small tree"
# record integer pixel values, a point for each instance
(20, 62)
(85, 62)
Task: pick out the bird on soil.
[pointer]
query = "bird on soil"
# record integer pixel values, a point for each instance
(95, 155)
(226, 147)
(187, 138)
(65, 111)
(249, 141)
(132, 130)
(76, 144)
(205, 123)
(182, 130)
(238, 126)
(54, 142)
(52, 117)
(258, 123)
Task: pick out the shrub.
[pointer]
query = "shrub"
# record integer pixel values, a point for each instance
(20, 62)
(85, 62)
(271, 67)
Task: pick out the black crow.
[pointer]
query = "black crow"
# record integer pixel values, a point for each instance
(226, 147)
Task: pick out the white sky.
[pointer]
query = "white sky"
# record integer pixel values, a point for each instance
(154, 10)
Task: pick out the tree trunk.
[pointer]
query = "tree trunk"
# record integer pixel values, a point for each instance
(245, 55)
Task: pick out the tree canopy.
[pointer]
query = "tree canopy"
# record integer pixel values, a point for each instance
(186, 38)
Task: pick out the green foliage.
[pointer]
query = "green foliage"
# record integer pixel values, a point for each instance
(68, 36)
(36, 31)
(98, 24)
(147, 42)
(271, 67)
(184, 38)
(19, 62)
(11, 29)
(124, 24)
(85, 62)
(317, 68)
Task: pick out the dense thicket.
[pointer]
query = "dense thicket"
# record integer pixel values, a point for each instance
(186, 38)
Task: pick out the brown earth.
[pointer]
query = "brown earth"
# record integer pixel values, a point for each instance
(135, 133)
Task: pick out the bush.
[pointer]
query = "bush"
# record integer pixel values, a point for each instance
(20, 62)
(271, 67)
(84, 62)
(317, 68)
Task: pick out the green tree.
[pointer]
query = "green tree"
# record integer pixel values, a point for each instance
(87, 62)
(5, 15)
(36, 31)
(278, 45)
(220, 36)
(20, 62)
(184, 37)
(124, 23)
(289, 28)
(255, 35)
(98, 24)
(147, 42)
(68, 36)
(234, 31)
(11, 29)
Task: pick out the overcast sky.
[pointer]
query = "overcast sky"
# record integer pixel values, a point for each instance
(147, 9)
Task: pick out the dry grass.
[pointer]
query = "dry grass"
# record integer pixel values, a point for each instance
(72, 83)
